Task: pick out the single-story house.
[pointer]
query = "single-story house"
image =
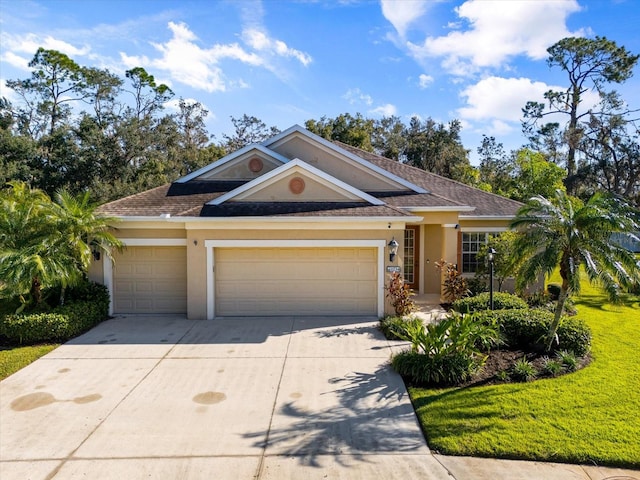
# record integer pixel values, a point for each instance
(294, 225)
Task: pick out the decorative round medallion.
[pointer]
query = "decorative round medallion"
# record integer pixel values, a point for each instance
(296, 185)
(256, 165)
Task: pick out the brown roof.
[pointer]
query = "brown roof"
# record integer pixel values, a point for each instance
(184, 200)
(441, 188)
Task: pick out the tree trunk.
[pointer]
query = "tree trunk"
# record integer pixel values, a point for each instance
(553, 328)
(36, 290)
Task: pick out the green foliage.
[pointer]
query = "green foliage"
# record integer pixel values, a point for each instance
(565, 233)
(501, 301)
(554, 291)
(505, 263)
(568, 360)
(399, 293)
(89, 306)
(523, 371)
(447, 352)
(527, 329)
(46, 243)
(454, 285)
(420, 369)
(399, 328)
(552, 367)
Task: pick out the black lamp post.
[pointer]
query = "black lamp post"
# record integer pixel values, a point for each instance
(393, 249)
(491, 253)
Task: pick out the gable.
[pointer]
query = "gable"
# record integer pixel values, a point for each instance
(314, 150)
(296, 181)
(243, 165)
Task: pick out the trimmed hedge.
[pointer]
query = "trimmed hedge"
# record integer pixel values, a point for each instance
(87, 306)
(526, 329)
(501, 301)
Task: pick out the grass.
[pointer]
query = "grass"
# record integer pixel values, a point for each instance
(590, 416)
(13, 359)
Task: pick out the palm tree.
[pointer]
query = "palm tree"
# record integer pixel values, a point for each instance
(569, 234)
(82, 231)
(45, 244)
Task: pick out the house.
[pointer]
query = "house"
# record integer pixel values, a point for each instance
(293, 225)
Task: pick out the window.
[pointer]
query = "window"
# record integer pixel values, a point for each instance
(409, 255)
(471, 243)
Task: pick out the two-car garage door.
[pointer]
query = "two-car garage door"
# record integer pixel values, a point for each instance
(254, 281)
(295, 281)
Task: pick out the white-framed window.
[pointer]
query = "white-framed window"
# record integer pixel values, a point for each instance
(471, 243)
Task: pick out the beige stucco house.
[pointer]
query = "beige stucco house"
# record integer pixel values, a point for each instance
(293, 225)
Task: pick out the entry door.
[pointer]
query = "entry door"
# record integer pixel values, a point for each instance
(412, 256)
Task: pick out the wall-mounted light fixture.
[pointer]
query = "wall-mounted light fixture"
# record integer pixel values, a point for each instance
(96, 254)
(393, 249)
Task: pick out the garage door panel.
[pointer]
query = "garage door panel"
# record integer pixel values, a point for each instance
(300, 281)
(151, 280)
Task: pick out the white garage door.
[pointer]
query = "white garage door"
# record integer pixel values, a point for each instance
(150, 280)
(295, 281)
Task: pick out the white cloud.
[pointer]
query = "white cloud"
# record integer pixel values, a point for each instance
(498, 30)
(16, 60)
(189, 63)
(260, 41)
(355, 96)
(386, 110)
(29, 44)
(424, 80)
(401, 13)
(500, 98)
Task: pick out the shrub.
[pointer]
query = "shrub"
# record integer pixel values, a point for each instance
(454, 285)
(501, 301)
(446, 370)
(552, 367)
(574, 335)
(398, 328)
(523, 371)
(87, 306)
(400, 295)
(526, 329)
(445, 353)
(568, 360)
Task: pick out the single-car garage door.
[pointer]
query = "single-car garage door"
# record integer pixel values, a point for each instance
(295, 281)
(150, 280)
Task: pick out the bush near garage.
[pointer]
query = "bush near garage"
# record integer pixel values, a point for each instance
(501, 301)
(526, 329)
(87, 305)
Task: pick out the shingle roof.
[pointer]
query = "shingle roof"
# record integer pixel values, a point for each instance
(443, 189)
(189, 199)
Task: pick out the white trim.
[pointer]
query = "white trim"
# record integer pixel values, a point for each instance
(154, 242)
(336, 149)
(483, 229)
(211, 244)
(232, 156)
(451, 225)
(270, 177)
(274, 219)
(487, 217)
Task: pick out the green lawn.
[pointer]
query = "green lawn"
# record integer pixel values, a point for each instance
(591, 416)
(13, 359)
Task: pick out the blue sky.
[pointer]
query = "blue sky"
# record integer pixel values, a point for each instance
(284, 62)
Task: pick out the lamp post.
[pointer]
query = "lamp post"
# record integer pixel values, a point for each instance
(490, 258)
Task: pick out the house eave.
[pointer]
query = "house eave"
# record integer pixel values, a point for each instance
(487, 217)
(462, 208)
(268, 219)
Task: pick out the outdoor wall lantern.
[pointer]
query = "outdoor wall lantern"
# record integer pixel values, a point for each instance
(393, 249)
(96, 254)
(491, 256)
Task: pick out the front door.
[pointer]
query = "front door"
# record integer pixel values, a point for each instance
(411, 256)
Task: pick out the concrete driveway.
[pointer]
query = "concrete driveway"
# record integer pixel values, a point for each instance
(242, 398)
